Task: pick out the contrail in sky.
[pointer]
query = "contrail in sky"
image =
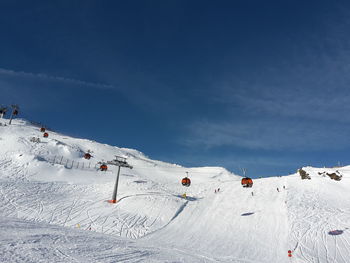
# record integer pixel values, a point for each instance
(10, 72)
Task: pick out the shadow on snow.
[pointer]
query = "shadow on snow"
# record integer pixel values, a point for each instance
(188, 198)
(336, 232)
(248, 214)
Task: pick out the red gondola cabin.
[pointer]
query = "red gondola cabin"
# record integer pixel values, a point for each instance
(186, 182)
(247, 182)
(87, 156)
(42, 129)
(103, 167)
(46, 135)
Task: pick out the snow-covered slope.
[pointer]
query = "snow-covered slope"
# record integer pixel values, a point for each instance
(54, 202)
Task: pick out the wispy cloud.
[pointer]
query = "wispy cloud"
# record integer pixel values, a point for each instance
(311, 81)
(268, 135)
(300, 103)
(140, 89)
(42, 76)
(318, 94)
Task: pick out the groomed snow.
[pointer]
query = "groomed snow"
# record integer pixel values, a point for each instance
(53, 208)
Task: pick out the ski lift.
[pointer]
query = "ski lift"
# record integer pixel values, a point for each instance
(247, 182)
(3, 110)
(42, 129)
(46, 135)
(87, 156)
(103, 167)
(186, 181)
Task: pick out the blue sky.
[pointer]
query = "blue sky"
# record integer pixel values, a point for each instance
(262, 85)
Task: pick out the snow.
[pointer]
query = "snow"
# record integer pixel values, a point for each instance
(25, 241)
(53, 208)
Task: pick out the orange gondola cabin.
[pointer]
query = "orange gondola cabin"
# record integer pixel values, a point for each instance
(103, 167)
(42, 129)
(247, 182)
(87, 156)
(46, 135)
(186, 182)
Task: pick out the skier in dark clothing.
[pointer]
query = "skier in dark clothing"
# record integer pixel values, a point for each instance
(278, 189)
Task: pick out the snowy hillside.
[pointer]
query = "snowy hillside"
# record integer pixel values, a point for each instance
(53, 208)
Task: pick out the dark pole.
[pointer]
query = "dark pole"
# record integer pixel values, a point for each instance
(14, 109)
(120, 162)
(11, 118)
(114, 197)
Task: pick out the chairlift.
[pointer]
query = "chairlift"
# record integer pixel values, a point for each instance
(247, 182)
(120, 159)
(186, 181)
(87, 156)
(103, 167)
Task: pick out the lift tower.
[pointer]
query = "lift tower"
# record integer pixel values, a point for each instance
(120, 162)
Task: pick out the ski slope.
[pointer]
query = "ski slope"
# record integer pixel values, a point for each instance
(53, 208)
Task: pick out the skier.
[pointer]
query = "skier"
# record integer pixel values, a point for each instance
(252, 194)
(284, 187)
(218, 189)
(278, 189)
(215, 191)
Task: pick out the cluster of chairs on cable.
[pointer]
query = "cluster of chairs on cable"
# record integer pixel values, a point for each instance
(37, 139)
(103, 166)
(45, 134)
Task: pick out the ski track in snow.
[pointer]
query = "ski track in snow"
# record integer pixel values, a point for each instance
(30, 205)
(313, 218)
